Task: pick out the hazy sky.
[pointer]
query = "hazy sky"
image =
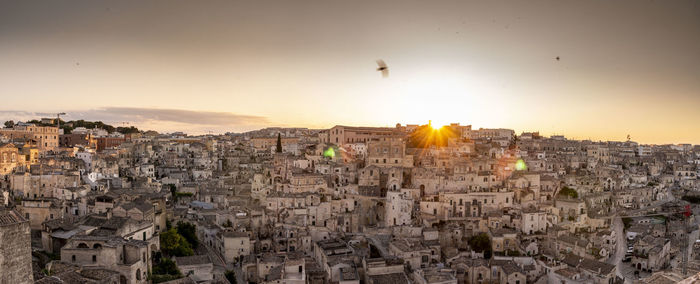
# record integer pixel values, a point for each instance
(627, 67)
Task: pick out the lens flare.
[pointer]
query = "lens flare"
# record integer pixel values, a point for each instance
(520, 165)
(329, 153)
(437, 125)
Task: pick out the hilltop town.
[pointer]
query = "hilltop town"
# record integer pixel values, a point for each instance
(347, 205)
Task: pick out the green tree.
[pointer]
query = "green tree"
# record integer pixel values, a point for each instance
(66, 129)
(127, 130)
(481, 243)
(174, 244)
(230, 276)
(9, 123)
(173, 191)
(279, 143)
(567, 191)
(166, 266)
(189, 232)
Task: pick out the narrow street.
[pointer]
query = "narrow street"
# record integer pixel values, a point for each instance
(621, 249)
(691, 240)
(239, 274)
(219, 264)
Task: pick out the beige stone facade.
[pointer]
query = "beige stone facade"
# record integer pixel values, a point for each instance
(45, 136)
(341, 135)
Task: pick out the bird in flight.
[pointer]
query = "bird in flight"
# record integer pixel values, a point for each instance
(557, 58)
(383, 68)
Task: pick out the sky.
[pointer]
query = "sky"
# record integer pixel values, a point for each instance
(625, 67)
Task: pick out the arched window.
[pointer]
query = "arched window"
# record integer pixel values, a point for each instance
(82, 245)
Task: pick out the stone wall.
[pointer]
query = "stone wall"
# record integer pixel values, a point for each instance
(15, 251)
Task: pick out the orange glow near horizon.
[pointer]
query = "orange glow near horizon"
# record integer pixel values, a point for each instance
(239, 66)
(436, 126)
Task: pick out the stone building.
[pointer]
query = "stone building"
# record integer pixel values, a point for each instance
(388, 152)
(131, 258)
(267, 143)
(233, 245)
(78, 139)
(533, 221)
(108, 142)
(9, 158)
(341, 135)
(198, 267)
(45, 136)
(399, 208)
(15, 251)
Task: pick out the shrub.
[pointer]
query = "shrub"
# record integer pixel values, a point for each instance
(567, 191)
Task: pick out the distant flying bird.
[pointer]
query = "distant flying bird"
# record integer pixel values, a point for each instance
(383, 68)
(557, 58)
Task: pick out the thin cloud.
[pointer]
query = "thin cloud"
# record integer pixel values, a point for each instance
(17, 115)
(155, 118)
(183, 116)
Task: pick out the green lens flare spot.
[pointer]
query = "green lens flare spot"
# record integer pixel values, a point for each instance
(520, 165)
(330, 153)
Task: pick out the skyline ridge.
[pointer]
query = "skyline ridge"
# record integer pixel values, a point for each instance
(67, 117)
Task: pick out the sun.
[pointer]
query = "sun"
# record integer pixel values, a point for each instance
(436, 125)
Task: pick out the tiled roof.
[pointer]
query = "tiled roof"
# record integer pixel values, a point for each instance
(10, 217)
